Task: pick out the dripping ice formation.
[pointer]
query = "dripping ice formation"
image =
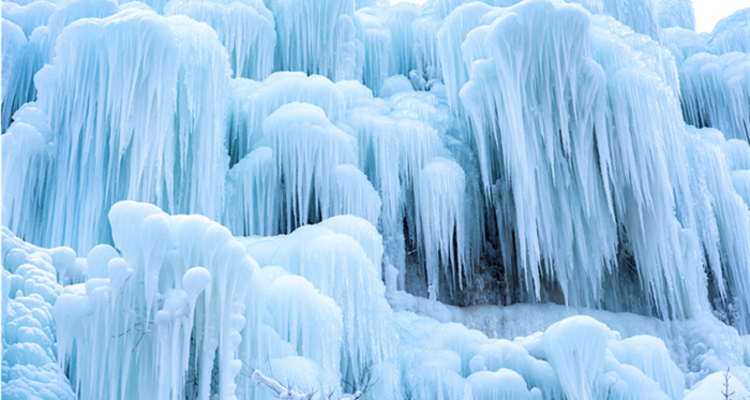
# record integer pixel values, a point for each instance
(501, 199)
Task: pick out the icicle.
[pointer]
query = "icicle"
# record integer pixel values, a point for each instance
(716, 93)
(21, 59)
(30, 16)
(684, 43)
(307, 149)
(640, 15)
(427, 66)
(441, 208)
(253, 191)
(377, 44)
(731, 33)
(434, 382)
(246, 29)
(551, 190)
(354, 195)
(25, 166)
(252, 102)
(398, 19)
(728, 220)
(575, 348)
(677, 13)
(337, 266)
(150, 133)
(158, 310)
(650, 355)
(449, 38)
(378, 141)
(309, 321)
(363, 231)
(737, 154)
(318, 37)
(395, 84)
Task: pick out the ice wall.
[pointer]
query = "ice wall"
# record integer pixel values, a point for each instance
(469, 152)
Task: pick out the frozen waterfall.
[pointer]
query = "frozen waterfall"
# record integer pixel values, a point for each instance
(359, 200)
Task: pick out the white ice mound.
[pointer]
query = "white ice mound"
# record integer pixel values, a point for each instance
(576, 358)
(29, 329)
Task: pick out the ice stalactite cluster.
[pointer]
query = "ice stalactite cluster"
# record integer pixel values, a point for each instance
(676, 13)
(171, 306)
(714, 77)
(318, 37)
(550, 225)
(715, 92)
(245, 29)
(289, 189)
(24, 56)
(143, 130)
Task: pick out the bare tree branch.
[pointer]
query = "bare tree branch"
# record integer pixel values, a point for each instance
(280, 391)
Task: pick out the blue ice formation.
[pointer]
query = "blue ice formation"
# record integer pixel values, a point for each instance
(340, 199)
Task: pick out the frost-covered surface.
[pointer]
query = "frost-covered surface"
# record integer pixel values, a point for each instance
(501, 199)
(29, 339)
